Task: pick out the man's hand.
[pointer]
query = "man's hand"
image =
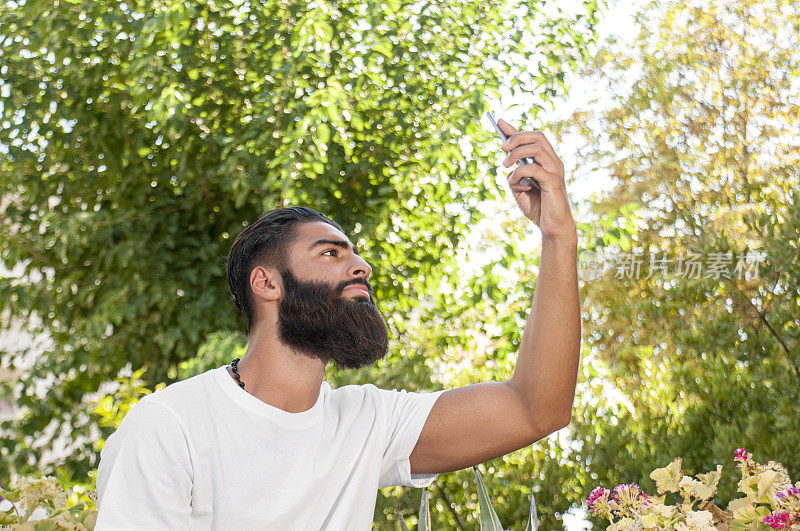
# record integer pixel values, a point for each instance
(549, 207)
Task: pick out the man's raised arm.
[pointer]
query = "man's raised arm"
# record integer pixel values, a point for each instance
(475, 423)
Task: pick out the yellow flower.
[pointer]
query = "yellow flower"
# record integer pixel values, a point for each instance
(744, 510)
(667, 511)
(768, 480)
(696, 521)
(625, 524)
(749, 487)
(667, 478)
(703, 489)
(773, 478)
(66, 521)
(32, 492)
(649, 521)
(765, 481)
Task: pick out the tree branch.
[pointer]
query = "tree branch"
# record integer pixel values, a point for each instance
(446, 501)
(763, 317)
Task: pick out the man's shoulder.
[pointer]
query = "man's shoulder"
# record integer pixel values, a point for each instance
(370, 394)
(372, 389)
(357, 391)
(170, 408)
(355, 397)
(188, 393)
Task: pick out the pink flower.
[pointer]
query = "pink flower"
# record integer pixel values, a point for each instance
(742, 455)
(628, 500)
(779, 520)
(598, 503)
(789, 500)
(596, 493)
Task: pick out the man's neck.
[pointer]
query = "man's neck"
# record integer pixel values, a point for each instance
(278, 376)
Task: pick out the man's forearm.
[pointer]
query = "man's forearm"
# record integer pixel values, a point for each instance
(547, 366)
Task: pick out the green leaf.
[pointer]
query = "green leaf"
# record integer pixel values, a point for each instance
(424, 512)
(533, 518)
(488, 517)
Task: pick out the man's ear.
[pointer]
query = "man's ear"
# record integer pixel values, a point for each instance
(266, 283)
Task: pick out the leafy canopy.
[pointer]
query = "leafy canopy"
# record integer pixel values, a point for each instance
(140, 137)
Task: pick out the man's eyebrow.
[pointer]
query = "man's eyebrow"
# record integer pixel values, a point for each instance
(338, 243)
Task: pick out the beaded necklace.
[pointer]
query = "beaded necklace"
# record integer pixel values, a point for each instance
(236, 376)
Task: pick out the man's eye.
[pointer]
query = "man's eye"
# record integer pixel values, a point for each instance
(334, 251)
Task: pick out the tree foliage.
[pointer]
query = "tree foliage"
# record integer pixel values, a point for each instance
(700, 140)
(140, 137)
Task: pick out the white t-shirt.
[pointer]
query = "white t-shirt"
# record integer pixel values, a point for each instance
(205, 454)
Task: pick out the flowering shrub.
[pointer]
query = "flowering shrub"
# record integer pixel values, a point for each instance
(770, 500)
(58, 509)
(78, 511)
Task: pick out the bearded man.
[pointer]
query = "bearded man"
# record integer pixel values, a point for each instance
(265, 443)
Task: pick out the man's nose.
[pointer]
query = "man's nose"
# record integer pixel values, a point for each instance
(360, 268)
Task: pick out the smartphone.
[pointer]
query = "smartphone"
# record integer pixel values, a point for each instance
(520, 162)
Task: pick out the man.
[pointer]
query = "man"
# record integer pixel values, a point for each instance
(265, 443)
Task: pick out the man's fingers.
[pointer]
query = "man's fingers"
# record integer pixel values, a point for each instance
(531, 137)
(518, 189)
(542, 176)
(549, 147)
(538, 151)
(521, 185)
(506, 127)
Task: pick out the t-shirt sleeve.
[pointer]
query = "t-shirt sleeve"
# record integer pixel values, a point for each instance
(145, 476)
(407, 413)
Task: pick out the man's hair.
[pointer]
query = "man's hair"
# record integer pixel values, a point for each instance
(264, 243)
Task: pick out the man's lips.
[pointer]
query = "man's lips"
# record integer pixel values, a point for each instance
(357, 287)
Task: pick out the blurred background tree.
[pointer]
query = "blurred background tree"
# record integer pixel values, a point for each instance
(697, 125)
(141, 137)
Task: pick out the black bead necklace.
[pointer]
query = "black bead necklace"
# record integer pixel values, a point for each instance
(236, 376)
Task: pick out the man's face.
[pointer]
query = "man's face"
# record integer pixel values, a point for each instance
(327, 310)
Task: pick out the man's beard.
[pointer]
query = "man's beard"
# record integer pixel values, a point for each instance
(315, 320)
